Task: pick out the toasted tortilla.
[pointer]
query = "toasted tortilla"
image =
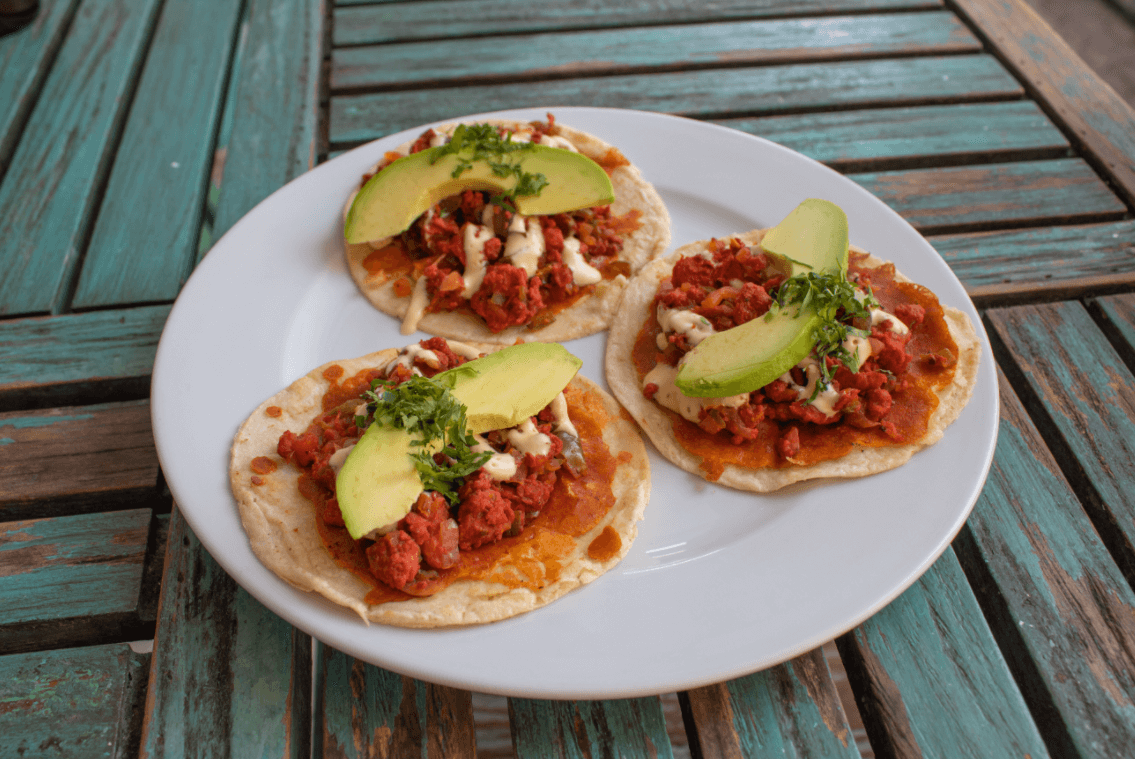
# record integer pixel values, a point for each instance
(861, 461)
(282, 530)
(590, 314)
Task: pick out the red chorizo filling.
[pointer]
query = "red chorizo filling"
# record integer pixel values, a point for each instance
(874, 386)
(485, 508)
(527, 269)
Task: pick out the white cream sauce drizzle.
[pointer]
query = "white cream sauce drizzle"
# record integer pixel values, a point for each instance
(409, 354)
(582, 273)
(525, 243)
(475, 238)
(693, 325)
(562, 423)
(671, 397)
(825, 400)
(500, 466)
(527, 439)
(419, 299)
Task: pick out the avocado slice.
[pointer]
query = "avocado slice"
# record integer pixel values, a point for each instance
(378, 483)
(390, 200)
(813, 237)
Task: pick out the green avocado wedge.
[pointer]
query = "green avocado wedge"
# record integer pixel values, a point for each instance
(390, 200)
(813, 237)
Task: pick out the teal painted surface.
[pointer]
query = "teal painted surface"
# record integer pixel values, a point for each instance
(706, 94)
(943, 686)
(579, 729)
(402, 21)
(29, 422)
(80, 347)
(911, 134)
(1064, 611)
(1120, 311)
(145, 238)
(49, 192)
(72, 566)
(617, 50)
(72, 704)
(1036, 192)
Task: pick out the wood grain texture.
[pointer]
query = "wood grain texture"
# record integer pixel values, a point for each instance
(699, 94)
(404, 21)
(144, 241)
(929, 679)
(78, 358)
(364, 710)
(1041, 263)
(976, 198)
(1056, 600)
(1080, 386)
(792, 709)
(545, 729)
(77, 455)
(559, 55)
(227, 676)
(1098, 118)
(50, 191)
(873, 139)
(1119, 311)
(276, 94)
(74, 704)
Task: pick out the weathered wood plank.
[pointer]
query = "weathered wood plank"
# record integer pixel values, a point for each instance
(1119, 311)
(1098, 118)
(276, 91)
(25, 59)
(144, 241)
(75, 703)
(78, 358)
(404, 21)
(792, 709)
(544, 729)
(227, 676)
(1055, 262)
(974, 198)
(1079, 384)
(70, 579)
(369, 711)
(929, 679)
(1055, 599)
(700, 94)
(887, 138)
(76, 456)
(617, 51)
(50, 190)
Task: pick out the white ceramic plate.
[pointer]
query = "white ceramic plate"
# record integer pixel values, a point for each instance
(718, 584)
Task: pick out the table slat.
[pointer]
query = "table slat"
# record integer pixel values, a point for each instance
(145, 239)
(1055, 599)
(72, 704)
(363, 710)
(558, 55)
(792, 709)
(1119, 310)
(700, 94)
(544, 729)
(929, 679)
(50, 190)
(403, 21)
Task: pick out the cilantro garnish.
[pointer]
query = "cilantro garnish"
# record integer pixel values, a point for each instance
(482, 142)
(426, 407)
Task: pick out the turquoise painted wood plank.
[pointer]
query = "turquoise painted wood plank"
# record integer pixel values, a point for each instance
(275, 124)
(365, 711)
(72, 704)
(560, 55)
(50, 190)
(227, 676)
(872, 138)
(68, 567)
(144, 242)
(49, 358)
(77, 455)
(404, 21)
(1064, 261)
(995, 195)
(542, 729)
(1084, 387)
(792, 709)
(1058, 604)
(1119, 310)
(930, 680)
(25, 59)
(699, 94)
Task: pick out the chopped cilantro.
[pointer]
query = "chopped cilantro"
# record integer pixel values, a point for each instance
(482, 142)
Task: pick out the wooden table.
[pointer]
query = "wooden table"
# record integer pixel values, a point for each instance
(133, 133)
